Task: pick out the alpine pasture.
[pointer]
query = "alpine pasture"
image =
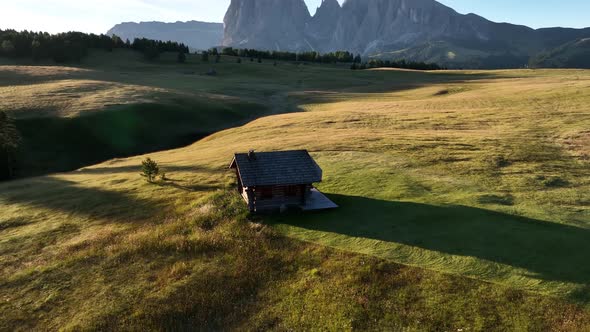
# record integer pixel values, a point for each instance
(464, 198)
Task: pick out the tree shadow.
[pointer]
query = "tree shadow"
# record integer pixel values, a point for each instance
(66, 196)
(550, 251)
(189, 188)
(137, 169)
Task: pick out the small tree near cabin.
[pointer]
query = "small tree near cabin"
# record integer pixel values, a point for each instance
(149, 169)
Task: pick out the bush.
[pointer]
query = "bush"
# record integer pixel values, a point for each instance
(507, 200)
(554, 182)
(499, 161)
(150, 169)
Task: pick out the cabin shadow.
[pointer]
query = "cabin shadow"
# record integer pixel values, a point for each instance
(550, 251)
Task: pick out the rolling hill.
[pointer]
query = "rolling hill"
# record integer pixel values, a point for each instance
(463, 194)
(571, 55)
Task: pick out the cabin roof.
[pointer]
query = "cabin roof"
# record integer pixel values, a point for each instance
(276, 168)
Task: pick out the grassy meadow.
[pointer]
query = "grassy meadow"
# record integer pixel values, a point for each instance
(465, 199)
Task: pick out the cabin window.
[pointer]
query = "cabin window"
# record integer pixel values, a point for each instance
(291, 191)
(266, 193)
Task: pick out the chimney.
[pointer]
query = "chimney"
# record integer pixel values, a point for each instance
(251, 155)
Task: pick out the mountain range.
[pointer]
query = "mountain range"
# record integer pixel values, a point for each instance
(196, 35)
(421, 30)
(417, 30)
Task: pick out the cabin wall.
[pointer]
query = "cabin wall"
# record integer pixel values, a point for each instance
(279, 197)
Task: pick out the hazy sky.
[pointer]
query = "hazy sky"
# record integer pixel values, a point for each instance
(99, 15)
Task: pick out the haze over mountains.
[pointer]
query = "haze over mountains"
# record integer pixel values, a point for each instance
(196, 35)
(419, 30)
(422, 30)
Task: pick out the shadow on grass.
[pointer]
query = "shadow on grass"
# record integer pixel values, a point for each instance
(66, 196)
(550, 251)
(377, 82)
(189, 188)
(64, 144)
(137, 169)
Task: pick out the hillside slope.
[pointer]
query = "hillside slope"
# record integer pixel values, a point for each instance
(571, 55)
(429, 169)
(117, 105)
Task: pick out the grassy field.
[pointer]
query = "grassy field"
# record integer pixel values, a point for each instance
(465, 204)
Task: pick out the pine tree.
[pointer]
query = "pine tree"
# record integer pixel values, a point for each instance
(181, 57)
(9, 143)
(7, 48)
(150, 169)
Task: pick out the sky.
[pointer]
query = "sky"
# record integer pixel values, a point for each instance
(98, 16)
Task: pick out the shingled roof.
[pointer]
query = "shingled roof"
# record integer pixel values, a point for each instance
(276, 168)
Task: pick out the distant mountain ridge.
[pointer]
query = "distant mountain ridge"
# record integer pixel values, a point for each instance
(574, 54)
(423, 30)
(196, 35)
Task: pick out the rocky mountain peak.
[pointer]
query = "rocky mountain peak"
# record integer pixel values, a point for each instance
(266, 24)
(420, 30)
(328, 7)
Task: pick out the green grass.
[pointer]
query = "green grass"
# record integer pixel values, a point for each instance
(213, 269)
(525, 253)
(463, 210)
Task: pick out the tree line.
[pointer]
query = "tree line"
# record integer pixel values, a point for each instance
(311, 56)
(401, 64)
(332, 57)
(73, 46)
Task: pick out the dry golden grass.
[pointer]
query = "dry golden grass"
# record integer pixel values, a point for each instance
(70, 98)
(519, 137)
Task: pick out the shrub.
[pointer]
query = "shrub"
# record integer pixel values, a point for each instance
(239, 60)
(554, 182)
(150, 169)
(500, 161)
(507, 200)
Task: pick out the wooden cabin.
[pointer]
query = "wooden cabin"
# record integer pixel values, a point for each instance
(273, 181)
